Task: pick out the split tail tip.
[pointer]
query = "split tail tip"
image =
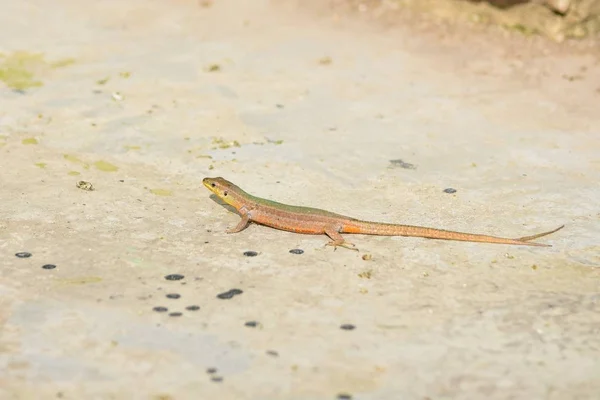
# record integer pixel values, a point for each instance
(539, 235)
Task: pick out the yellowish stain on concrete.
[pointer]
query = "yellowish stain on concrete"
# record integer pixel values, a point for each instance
(75, 160)
(84, 280)
(105, 166)
(161, 192)
(73, 173)
(29, 141)
(20, 70)
(72, 159)
(40, 165)
(128, 147)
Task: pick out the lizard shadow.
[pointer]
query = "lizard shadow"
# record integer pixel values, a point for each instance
(220, 202)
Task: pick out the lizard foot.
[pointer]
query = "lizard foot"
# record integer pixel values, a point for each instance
(336, 244)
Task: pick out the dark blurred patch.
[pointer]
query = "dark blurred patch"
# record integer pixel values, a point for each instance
(401, 164)
(501, 3)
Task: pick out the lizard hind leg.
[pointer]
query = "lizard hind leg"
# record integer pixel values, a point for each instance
(337, 240)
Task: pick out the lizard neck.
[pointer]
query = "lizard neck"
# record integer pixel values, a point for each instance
(236, 197)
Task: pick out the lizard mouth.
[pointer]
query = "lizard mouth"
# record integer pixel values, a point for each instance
(212, 186)
(209, 185)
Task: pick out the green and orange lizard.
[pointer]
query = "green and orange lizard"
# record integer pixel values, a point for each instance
(318, 222)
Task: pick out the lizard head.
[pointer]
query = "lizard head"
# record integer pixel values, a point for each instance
(224, 189)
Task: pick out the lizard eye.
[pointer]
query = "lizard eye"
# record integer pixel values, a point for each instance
(224, 193)
(213, 184)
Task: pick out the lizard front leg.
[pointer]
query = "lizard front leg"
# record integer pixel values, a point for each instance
(243, 224)
(337, 240)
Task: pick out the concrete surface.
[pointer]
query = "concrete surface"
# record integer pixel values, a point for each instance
(307, 105)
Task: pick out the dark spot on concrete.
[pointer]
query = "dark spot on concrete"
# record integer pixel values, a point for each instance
(344, 396)
(217, 379)
(347, 327)
(174, 277)
(250, 253)
(251, 324)
(211, 370)
(49, 266)
(449, 190)
(23, 254)
(296, 251)
(192, 308)
(160, 309)
(173, 296)
(401, 164)
(175, 314)
(272, 353)
(229, 294)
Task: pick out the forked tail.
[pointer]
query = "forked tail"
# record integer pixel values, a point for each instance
(374, 228)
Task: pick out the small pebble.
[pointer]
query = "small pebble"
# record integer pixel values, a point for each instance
(23, 254)
(211, 370)
(173, 296)
(296, 251)
(174, 277)
(87, 186)
(160, 309)
(344, 396)
(175, 314)
(251, 324)
(347, 327)
(229, 294)
(192, 308)
(49, 266)
(250, 253)
(449, 190)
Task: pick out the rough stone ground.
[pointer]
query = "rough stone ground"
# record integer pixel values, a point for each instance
(306, 105)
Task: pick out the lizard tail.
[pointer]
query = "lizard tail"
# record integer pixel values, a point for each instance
(539, 235)
(374, 228)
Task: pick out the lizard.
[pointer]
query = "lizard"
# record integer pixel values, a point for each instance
(315, 221)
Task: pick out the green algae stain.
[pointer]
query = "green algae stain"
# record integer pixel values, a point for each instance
(64, 62)
(105, 166)
(18, 70)
(220, 143)
(73, 173)
(161, 192)
(29, 141)
(523, 29)
(72, 159)
(41, 165)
